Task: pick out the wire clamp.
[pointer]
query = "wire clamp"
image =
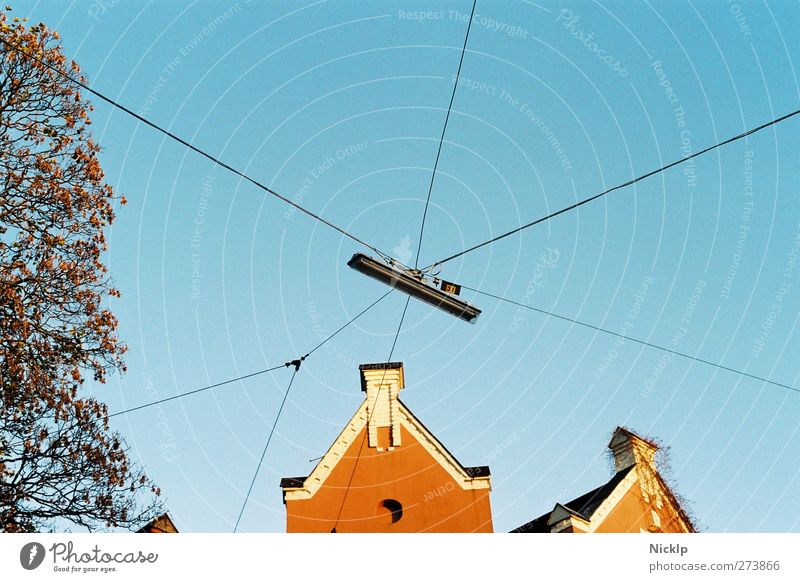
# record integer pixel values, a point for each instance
(295, 363)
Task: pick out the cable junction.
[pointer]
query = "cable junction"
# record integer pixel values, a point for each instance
(296, 363)
(414, 281)
(444, 130)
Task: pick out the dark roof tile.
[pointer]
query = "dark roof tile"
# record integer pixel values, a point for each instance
(584, 506)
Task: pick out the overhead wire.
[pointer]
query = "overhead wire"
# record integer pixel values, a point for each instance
(362, 312)
(605, 192)
(269, 190)
(342, 231)
(441, 139)
(416, 262)
(266, 446)
(369, 420)
(194, 148)
(203, 389)
(633, 339)
(246, 376)
(296, 363)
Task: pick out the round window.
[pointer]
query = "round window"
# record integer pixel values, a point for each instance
(391, 509)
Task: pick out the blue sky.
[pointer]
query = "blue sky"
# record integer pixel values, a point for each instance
(340, 106)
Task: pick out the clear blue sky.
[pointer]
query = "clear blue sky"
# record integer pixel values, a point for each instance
(340, 105)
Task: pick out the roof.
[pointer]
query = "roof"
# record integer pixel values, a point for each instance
(161, 524)
(289, 482)
(583, 506)
(482, 471)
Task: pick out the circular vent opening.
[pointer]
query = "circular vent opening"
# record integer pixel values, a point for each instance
(391, 509)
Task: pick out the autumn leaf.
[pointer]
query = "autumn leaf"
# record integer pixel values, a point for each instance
(54, 209)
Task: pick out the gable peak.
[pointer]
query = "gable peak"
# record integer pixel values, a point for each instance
(629, 448)
(382, 382)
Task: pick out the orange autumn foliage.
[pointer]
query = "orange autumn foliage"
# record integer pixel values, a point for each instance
(58, 458)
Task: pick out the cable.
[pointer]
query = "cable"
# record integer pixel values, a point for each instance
(194, 148)
(399, 327)
(416, 260)
(218, 384)
(601, 194)
(362, 312)
(372, 412)
(285, 365)
(441, 139)
(297, 364)
(266, 446)
(633, 339)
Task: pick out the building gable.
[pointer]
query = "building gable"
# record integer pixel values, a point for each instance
(387, 472)
(635, 499)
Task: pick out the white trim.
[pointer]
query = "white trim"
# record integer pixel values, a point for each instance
(438, 452)
(330, 459)
(612, 500)
(346, 438)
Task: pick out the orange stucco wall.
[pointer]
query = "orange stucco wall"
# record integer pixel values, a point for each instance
(432, 501)
(633, 514)
(629, 516)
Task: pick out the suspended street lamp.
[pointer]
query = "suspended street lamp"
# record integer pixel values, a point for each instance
(413, 283)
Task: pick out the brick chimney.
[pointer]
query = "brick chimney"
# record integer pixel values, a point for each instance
(382, 383)
(630, 449)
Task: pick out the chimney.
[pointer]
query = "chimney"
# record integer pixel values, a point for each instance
(382, 383)
(630, 449)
